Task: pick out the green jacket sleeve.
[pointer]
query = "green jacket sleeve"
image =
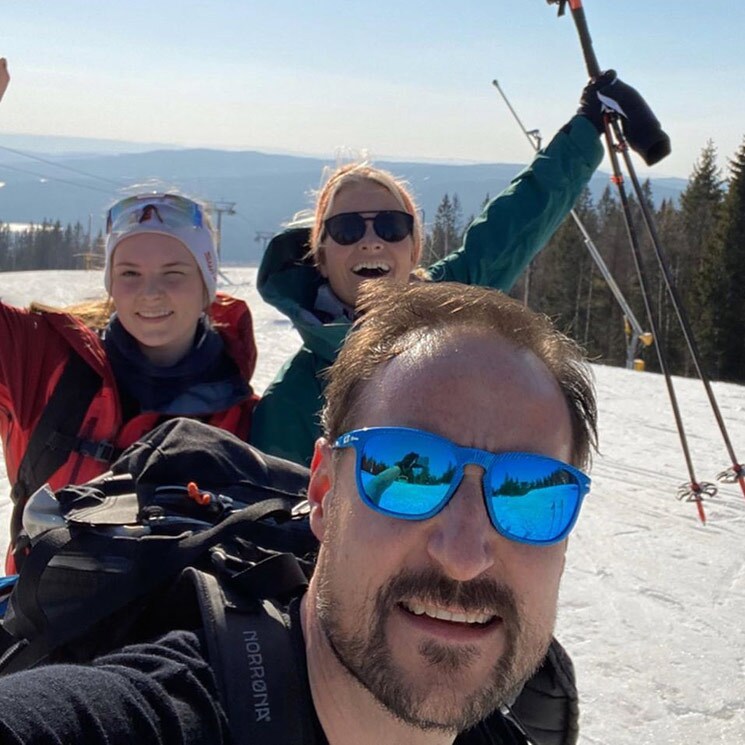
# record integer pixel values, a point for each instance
(286, 421)
(516, 224)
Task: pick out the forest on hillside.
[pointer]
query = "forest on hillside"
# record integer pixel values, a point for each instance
(703, 239)
(49, 245)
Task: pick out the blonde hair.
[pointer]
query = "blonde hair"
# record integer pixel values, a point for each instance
(359, 173)
(93, 313)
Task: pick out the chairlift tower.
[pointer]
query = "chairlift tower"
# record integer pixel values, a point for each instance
(220, 208)
(263, 237)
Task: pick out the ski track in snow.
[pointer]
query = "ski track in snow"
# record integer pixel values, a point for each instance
(653, 603)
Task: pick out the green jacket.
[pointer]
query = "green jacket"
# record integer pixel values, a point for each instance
(497, 247)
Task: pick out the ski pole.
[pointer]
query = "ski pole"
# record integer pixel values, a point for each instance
(580, 21)
(694, 490)
(736, 473)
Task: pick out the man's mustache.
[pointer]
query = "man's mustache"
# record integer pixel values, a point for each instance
(479, 595)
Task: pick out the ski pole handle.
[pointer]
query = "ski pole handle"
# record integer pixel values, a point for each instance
(578, 14)
(580, 21)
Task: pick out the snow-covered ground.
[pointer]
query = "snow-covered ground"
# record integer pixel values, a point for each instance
(653, 602)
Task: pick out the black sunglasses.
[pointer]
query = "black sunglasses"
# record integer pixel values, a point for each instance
(347, 228)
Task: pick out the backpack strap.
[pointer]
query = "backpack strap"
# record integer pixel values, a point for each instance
(251, 654)
(56, 435)
(152, 566)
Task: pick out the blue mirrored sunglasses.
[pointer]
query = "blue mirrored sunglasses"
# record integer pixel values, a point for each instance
(172, 210)
(412, 474)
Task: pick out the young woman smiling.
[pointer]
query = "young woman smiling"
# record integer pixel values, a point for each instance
(164, 344)
(366, 226)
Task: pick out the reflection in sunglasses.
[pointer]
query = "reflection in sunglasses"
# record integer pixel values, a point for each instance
(412, 474)
(172, 210)
(514, 487)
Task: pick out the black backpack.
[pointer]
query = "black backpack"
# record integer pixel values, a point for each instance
(193, 528)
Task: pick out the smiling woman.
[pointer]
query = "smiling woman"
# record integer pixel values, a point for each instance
(162, 344)
(365, 232)
(366, 226)
(159, 295)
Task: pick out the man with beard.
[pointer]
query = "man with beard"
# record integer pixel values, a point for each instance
(428, 609)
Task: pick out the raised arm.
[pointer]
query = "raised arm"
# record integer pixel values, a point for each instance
(518, 223)
(515, 225)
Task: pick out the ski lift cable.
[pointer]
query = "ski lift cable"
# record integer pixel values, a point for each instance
(613, 130)
(245, 219)
(54, 178)
(62, 166)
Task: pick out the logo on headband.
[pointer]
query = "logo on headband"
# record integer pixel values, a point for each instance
(209, 260)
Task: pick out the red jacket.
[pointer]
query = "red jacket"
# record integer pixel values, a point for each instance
(34, 348)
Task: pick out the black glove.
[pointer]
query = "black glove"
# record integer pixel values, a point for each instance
(640, 126)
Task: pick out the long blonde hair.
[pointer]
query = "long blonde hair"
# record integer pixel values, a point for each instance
(94, 313)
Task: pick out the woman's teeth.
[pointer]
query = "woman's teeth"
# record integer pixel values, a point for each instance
(372, 268)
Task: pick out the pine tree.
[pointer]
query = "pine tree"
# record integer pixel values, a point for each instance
(701, 205)
(729, 251)
(23, 250)
(606, 336)
(446, 231)
(5, 248)
(457, 221)
(671, 231)
(562, 273)
(45, 246)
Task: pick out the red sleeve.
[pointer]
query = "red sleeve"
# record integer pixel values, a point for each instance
(32, 356)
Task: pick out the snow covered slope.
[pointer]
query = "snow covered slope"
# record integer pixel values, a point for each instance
(653, 603)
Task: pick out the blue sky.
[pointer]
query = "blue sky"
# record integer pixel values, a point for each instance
(391, 79)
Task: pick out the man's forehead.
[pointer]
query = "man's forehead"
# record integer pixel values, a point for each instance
(478, 390)
(450, 376)
(462, 351)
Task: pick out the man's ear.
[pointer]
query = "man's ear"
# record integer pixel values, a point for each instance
(321, 480)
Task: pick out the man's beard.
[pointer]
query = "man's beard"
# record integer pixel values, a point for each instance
(363, 649)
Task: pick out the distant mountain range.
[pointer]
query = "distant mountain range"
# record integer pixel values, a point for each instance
(267, 188)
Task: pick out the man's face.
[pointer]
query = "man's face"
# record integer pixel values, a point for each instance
(442, 619)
